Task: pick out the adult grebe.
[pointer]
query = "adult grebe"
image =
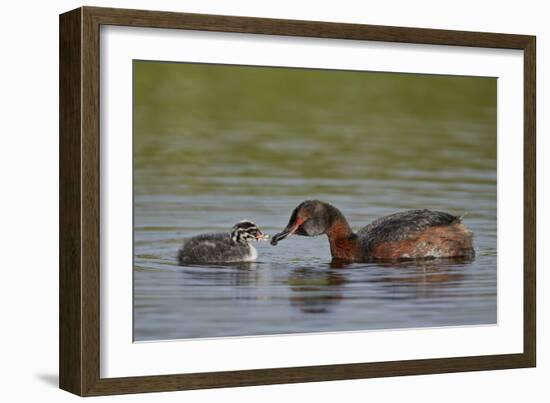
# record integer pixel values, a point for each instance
(222, 247)
(410, 234)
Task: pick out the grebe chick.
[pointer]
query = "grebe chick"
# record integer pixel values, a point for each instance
(222, 247)
(413, 234)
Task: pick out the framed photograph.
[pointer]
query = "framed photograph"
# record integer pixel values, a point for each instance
(249, 201)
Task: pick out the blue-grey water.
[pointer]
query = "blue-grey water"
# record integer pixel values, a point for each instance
(217, 144)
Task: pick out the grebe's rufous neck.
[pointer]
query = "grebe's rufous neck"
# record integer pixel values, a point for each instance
(411, 234)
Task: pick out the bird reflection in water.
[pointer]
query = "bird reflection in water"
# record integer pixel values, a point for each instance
(422, 277)
(426, 272)
(238, 282)
(318, 290)
(228, 274)
(314, 290)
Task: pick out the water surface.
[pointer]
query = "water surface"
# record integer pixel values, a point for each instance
(217, 144)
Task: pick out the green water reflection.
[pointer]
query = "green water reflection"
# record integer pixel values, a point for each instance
(194, 120)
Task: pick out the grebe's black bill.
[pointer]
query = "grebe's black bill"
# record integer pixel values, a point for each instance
(278, 237)
(291, 228)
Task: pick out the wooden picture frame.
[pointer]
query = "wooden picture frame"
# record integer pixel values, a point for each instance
(80, 184)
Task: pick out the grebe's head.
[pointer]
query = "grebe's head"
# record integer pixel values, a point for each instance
(246, 231)
(310, 218)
